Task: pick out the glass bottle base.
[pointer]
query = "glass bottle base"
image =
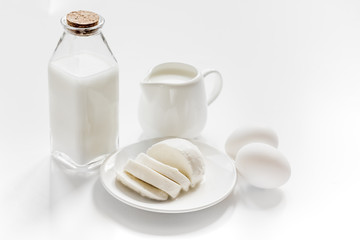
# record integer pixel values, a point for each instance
(69, 164)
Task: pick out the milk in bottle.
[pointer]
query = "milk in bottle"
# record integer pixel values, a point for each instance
(83, 94)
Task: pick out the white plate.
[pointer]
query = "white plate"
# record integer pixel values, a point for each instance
(219, 181)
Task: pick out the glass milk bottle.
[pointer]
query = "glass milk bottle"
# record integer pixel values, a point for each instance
(83, 93)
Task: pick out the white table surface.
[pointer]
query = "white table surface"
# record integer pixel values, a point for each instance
(292, 65)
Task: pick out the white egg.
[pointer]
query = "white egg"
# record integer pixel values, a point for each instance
(262, 165)
(242, 136)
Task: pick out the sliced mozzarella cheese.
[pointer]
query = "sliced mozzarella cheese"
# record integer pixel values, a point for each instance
(143, 188)
(169, 172)
(181, 154)
(152, 177)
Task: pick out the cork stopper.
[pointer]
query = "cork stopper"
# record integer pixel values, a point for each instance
(82, 19)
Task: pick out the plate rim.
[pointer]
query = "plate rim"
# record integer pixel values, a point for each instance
(157, 210)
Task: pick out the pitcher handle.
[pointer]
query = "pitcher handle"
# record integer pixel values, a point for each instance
(217, 86)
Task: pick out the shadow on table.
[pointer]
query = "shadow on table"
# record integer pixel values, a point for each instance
(256, 198)
(158, 223)
(65, 181)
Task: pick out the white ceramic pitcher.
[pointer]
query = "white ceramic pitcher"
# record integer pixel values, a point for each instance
(174, 102)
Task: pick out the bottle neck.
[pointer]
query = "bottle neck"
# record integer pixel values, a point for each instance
(83, 31)
(78, 40)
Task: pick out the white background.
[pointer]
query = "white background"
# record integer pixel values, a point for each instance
(292, 65)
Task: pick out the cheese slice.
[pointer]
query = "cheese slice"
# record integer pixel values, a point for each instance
(152, 177)
(181, 154)
(169, 172)
(143, 188)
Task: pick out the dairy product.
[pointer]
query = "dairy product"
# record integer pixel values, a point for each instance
(152, 177)
(171, 165)
(171, 77)
(83, 95)
(141, 187)
(169, 172)
(181, 154)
